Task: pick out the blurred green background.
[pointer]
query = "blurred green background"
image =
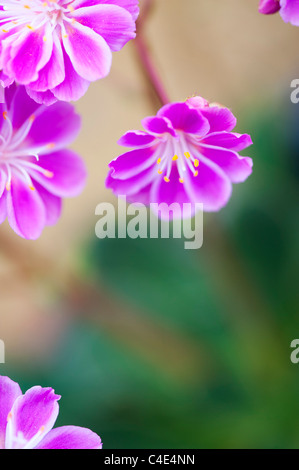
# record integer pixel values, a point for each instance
(155, 346)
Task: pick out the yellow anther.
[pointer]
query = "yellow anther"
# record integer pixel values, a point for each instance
(166, 179)
(160, 172)
(187, 154)
(45, 38)
(4, 31)
(195, 173)
(181, 180)
(159, 161)
(175, 158)
(30, 27)
(32, 188)
(48, 174)
(27, 6)
(8, 187)
(196, 163)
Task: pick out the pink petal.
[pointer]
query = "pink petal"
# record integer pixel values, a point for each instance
(70, 437)
(158, 125)
(29, 54)
(89, 53)
(185, 118)
(235, 167)
(290, 11)
(53, 73)
(9, 392)
(68, 173)
(136, 139)
(25, 210)
(73, 87)
(33, 415)
(133, 162)
(53, 205)
(228, 140)
(130, 5)
(220, 119)
(56, 125)
(113, 23)
(211, 187)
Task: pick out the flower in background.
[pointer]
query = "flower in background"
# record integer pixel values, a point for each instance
(36, 170)
(57, 47)
(26, 421)
(288, 9)
(268, 7)
(187, 154)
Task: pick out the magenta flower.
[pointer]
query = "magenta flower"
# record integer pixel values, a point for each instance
(26, 421)
(57, 47)
(288, 9)
(268, 7)
(188, 154)
(36, 171)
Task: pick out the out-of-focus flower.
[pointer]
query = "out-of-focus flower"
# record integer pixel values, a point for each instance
(26, 421)
(288, 9)
(36, 170)
(267, 7)
(188, 154)
(57, 47)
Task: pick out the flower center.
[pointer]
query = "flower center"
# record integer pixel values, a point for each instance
(34, 14)
(177, 154)
(16, 156)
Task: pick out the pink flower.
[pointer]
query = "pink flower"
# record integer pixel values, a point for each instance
(288, 9)
(36, 171)
(267, 7)
(57, 47)
(188, 154)
(26, 421)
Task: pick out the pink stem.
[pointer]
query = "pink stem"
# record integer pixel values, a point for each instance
(146, 61)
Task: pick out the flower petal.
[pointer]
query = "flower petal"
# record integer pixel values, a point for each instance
(70, 437)
(9, 392)
(136, 139)
(158, 125)
(211, 187)
(53, 204)
(130, 5)
(228, 140)
(235, 167)
(220, 119)
(73, 87)
(131, 163)
(56, 126)
(185, 118)
(32, 416)
(68, 173)
(53, 73)
(25, 210)
(30, 53)
(113, 23)
(89, 53)
(289, 11)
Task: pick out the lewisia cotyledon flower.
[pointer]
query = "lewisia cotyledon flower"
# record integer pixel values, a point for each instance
(187, 154)
(36, 170)
(288, 9)
(26, 421)
(57, 47)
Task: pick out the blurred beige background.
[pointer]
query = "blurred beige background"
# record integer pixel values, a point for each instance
(223, 50)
